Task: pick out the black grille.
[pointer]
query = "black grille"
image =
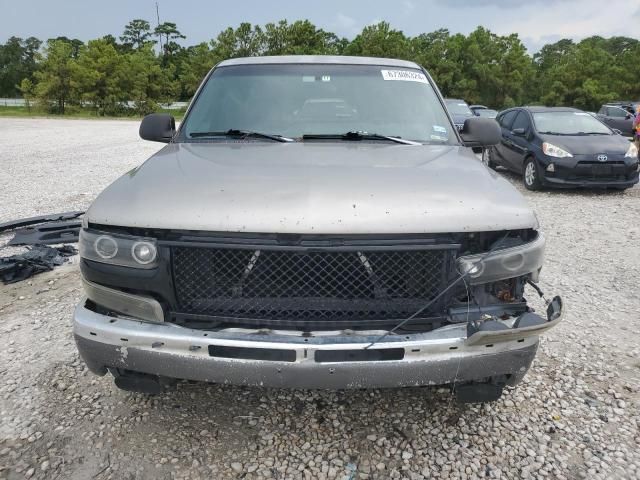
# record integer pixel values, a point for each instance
(307, 288)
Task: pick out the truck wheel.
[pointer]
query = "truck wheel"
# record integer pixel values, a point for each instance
(531, 176)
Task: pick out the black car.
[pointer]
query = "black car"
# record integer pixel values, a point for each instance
(618, 115)
(459, 111)
(482, 111)
(563, 147)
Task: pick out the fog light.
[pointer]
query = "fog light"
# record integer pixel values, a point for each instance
(551, 168)
(105, 246)
(143, 252)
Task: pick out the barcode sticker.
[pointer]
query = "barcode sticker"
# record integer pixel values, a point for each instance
(404, 76)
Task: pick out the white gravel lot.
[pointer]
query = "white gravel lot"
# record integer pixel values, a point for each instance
(575, 416)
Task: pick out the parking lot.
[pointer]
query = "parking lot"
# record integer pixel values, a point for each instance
(575, 416)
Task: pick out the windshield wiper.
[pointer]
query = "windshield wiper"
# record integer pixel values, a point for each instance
(575, 134)
(232, 132)
(353, 135)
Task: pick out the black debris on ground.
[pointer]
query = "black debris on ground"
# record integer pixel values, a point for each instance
(37, 259)
(50, 233)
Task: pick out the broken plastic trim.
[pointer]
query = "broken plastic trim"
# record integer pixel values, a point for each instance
(24, 222)
(49, 233)
(554, 316)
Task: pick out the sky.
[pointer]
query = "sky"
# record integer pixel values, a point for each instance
(537, 22)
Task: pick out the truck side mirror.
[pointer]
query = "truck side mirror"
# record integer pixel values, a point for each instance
(158, 127)
(481, 132)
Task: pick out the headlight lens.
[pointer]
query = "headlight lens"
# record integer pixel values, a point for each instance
(632, 151)
(106, 247)
(554, 151)
(144, 252)
(116, 249)
(506, 263)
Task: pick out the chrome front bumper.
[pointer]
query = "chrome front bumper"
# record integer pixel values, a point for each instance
(293, 360)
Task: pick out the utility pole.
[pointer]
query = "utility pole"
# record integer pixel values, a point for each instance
(158, 24)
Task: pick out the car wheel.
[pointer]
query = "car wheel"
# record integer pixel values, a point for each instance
(531, 177)
(486, 158)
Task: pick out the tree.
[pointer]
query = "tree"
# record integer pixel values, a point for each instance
(99, 77)
(75, 44)
(380, 40)
(147, 83)
(137, 33)
(197, 62)
(244, 41)
(54, 74)
(17, 61)
(440, 53)
(27, 90)
(299, 38)
(170, 33)
(480, 67)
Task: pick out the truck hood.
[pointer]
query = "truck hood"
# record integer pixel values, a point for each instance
(321, 187)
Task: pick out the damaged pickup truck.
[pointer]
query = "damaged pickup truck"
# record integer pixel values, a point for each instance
(315, 222)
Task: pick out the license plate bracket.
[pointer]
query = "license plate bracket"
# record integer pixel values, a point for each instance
(601, 170)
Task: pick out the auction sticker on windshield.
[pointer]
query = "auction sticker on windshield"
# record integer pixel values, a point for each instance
(404, 76)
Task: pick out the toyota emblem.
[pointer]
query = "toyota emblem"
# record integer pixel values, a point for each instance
(602, 158)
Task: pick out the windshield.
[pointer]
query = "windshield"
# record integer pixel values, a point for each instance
(487, 113)
(319, 99)
(568, 123)
(458, 107)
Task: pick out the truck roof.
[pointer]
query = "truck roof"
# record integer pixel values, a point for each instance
(318, 59)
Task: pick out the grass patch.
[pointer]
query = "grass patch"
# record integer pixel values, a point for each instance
(35, 112)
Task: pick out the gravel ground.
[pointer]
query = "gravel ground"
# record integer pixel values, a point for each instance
(575, 416)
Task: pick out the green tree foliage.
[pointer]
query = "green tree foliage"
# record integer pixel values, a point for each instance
(589, 73)
(53, 77)
(169, 31)
(137, 33)
(481, 67)
(27, 89)
(197, 61)
(17, 61)
(380, 40)
(300, 38)
(148, 82)
(99, 77)
(245, 41)
(75, 43)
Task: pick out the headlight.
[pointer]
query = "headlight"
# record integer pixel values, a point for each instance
(116, 249)
(632, 151)
(144, 252)
(506, 263)
(554, 151)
